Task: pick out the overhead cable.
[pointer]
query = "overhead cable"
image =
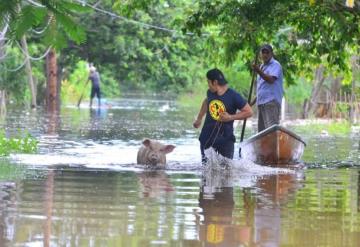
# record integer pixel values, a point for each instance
(18, 68)
(113, 15)
(34, 58)
(35, 4)
(3, 48)
(44, 29)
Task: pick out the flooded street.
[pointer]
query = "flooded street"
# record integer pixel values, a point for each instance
(83, 187)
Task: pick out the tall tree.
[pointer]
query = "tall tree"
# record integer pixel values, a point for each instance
(304, 33)
(29, 71)
(144, 48)
(2, 56)
(57, 18)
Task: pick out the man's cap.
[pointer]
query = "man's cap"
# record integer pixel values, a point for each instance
(266, 47)
(92, 68)
(216, 74)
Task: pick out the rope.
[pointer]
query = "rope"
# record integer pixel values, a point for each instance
(217, 125)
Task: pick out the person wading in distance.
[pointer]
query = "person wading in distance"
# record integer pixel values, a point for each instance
(94, 77)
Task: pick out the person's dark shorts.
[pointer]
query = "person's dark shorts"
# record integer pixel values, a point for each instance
(95, 91)
(226, 149)
(222, 140)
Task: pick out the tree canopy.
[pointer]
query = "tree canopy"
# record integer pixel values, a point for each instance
(141, 48)
(55, 19)
(140, 43)
(303, 33)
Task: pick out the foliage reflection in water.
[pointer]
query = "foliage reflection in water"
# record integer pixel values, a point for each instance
(145, 208)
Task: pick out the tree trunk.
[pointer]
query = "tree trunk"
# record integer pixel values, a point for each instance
(319, 80)
(353, 87)
(52, 97)
(2, 102)
(334, 90)
(29, 71)
(2, 56)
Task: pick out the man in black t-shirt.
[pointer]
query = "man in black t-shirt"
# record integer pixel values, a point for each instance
(222, 106)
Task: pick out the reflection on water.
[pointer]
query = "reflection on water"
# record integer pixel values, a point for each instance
(146, 208)
(255, 219)
(84, 188)
(153, 184)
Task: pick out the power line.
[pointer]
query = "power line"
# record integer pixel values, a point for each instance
(33, 58)
(46, 27)
(35, 4)
(26, 56)
(3, 47)
(113, 15)
(18, 68)
(109, 13)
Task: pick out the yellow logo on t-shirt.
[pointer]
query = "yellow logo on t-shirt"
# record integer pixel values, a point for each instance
(215, 233)
(215, 108)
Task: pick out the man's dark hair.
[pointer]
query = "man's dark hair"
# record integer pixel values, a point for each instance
(216, 74)
(266, 47)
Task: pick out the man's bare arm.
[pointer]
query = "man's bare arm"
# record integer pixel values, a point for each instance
(201, 114)
(244, 113)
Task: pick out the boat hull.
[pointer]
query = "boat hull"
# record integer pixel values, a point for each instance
(275, 145)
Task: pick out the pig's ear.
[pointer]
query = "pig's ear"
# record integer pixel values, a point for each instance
(146, 142)
(168, 149)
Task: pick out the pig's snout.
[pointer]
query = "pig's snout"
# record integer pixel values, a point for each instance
(154, 158)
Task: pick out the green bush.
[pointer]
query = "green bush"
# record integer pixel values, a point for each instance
(21, 143)
(332, 128)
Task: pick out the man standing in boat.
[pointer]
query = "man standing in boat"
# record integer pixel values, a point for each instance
(222, 106)
(269, 90)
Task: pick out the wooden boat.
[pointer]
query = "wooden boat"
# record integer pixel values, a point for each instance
(275, 145)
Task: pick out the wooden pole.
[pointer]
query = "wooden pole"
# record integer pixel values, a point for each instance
(249, 96)
(249, 99)
(82, 94)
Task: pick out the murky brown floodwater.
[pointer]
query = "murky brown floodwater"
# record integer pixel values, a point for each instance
(84, 189)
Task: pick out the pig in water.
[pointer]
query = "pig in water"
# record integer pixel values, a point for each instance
(153, 153)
